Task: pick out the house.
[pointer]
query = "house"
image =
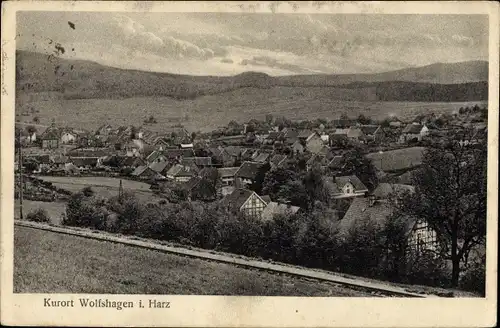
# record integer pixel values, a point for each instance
(59, 161)
(160, 168)
(247, 173)
(199, 162)
(372, 133)
(311, 140)
(132, 162)
(180, 173)
(227, 175)
(198, 188)
(104, 129)
(386, 190)
(317, 160)
(344, 123)
(297, 147)
(68, 137)
(274, 209)
(335, 164)
(177, 154)
(134, 147)
(144, 172)
(84, 163)
(345, 187)
(245, 201)
(414, 132)
(278, 161)
(156, 156)
(50, 138)
(420, 237)
(261, 157)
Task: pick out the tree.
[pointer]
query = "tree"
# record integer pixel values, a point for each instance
(275, 179)
(450, 195)
(269, 118)
(362, 119)
(315, 187)
(354, 163)
(259, 179)
(36, 120)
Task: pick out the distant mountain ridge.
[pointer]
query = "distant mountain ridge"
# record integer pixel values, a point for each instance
(80, 79)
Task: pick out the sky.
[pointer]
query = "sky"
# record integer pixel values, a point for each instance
(276, 44)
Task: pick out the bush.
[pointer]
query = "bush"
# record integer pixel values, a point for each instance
(38, 215)
(427, 269)
(474, 278)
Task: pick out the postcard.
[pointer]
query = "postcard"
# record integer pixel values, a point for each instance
(249, 164)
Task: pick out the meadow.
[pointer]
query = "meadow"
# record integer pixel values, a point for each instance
(209, 112)
(47, 262)
(103, 186)
(54, 209)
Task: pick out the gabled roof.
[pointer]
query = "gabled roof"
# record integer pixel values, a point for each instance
(413, 128)
(139, 170)
(278, 159)
(361, 212)
(174, 153)
(233, 150)
(180, 171)
(369, 129)
(191, 183)
(304, 134)
(209, 172)
(272, 209)
(317, 159)
(198, 161)
(158, 167)
(227, 172)
(354, 180)
(335, 162)
(84, 161)
(248, 170)
(132, 161)
(40, 159)
(237, 198)
(261, 157)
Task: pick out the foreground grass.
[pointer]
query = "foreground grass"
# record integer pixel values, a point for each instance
(47, 262)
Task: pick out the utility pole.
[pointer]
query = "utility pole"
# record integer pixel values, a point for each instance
(20, 167)
(120, 192)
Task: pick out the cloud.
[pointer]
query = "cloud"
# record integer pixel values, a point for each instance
(274, 63)
(137, 38)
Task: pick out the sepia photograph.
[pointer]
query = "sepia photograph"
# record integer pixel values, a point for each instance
(247, 153)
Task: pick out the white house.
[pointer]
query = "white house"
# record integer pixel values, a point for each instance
(414, 131)
(68, 137)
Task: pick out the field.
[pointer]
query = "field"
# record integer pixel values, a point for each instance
(209, 112)
(47, 262)
(54, 209)
(103, 186)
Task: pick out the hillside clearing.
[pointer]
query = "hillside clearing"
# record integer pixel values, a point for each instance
(46, 262)
(209, 112)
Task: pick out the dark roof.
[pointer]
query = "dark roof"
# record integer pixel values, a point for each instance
(237, 198)
(80, 152)
(40, 159)
(317, 159)
(139, 170)
(209, 172)
(173, 153)
(198, 161)
(233, 150)
(266, 198)
(413, 128)
(304, 134)
(335, 162)
(399, 159)
(131, 161)
(60, 159)
(226, 172)
(369, 129)
(354, 180)
(191, 183)
(361, 211)
(248, 170)
(262, 157)
(180, 171)
(158, 166)
(84, 161)
(278, 159)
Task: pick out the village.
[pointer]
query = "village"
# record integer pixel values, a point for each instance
(260, 169)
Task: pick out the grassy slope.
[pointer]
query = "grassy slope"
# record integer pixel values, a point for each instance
(46, 262)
